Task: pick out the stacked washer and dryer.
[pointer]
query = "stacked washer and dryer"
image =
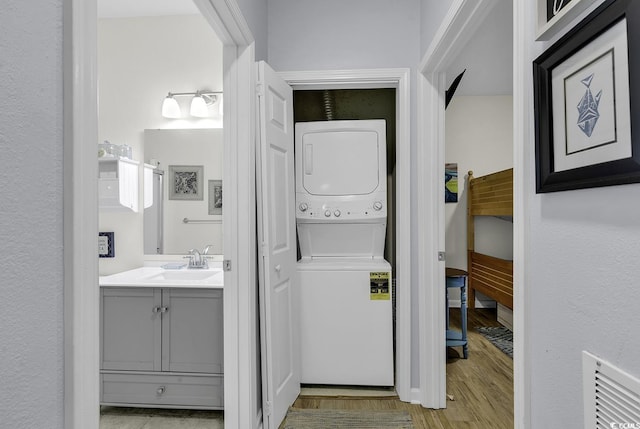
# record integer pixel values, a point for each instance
(346, 322)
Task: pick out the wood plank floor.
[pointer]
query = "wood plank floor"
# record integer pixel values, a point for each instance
(481, 387)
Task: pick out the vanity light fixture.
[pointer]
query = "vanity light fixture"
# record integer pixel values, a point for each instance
(200, 102)
(170, 108)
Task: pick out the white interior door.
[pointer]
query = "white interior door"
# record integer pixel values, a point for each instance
(276, 223)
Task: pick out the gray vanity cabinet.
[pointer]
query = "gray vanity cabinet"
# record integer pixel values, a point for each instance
(131, 331)
(162, 347)
(192, 331)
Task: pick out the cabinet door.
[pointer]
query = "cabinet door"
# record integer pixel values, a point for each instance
(130, 328)
(192, 331)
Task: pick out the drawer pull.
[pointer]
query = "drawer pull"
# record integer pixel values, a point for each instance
(161, 390)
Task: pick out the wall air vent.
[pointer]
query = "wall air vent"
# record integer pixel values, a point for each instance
(611, 396)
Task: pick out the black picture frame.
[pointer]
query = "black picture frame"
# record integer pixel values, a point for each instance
(186, 182)
(215, 197)
(616, 172)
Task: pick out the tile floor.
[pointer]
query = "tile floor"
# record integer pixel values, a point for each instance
(149, 418)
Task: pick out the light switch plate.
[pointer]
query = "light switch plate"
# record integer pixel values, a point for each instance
(106, 246)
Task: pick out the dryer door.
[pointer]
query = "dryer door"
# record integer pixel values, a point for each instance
(339, 158)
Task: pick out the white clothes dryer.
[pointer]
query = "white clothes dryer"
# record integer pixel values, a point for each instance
(341, 188)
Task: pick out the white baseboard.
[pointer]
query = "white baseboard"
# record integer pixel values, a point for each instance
(455, 303)
(415, 396)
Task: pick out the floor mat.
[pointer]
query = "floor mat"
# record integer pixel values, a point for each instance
(500, 337)
(352, 419)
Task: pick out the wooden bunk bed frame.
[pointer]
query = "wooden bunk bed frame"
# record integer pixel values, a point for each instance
(490, 195)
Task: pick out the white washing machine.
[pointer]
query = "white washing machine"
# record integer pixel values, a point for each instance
(345, 283)
(346, 328)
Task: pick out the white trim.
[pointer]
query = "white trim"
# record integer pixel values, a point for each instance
(399, 79)
(416, 395)
(225, 17)
(522, 132)
(458, 27)
(81, 294)
(548, 29)
(430, 190)
(81, 215)
(240, 305)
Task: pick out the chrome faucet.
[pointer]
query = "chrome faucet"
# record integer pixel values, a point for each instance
(196, 260)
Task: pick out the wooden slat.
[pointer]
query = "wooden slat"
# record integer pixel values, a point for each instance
(492, 277)
(491, 195)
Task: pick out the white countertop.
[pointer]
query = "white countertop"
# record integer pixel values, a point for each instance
(194, 278)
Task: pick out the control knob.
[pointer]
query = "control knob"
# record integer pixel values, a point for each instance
(337, 213)
(303, 207)
(377, 206)
(327, 213)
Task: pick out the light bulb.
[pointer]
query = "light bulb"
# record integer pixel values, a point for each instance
(170, 108)
(199, 107)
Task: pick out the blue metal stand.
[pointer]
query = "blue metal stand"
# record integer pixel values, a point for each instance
(456, 278)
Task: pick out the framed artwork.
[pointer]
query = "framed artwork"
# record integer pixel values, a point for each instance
(215, 197)
(586, 103)
(451, 183)
(186, 182)
(554, 15)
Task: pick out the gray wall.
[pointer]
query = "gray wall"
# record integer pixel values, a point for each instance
(432, 13)
(255, 13)
(31, 315)
(582, 277)
(334, 34)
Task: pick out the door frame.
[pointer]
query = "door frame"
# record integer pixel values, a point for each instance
(371, 79)
(80, 218)
(462, 20)
(458, 26)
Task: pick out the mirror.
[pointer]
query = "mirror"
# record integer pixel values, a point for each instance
(187, 190)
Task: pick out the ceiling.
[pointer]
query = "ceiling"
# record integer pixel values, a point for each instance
(488, 58)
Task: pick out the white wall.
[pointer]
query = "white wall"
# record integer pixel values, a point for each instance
(139, 61)
(582, 272)
(31, 195)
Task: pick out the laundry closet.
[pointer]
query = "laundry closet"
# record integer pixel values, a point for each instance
(345, 165)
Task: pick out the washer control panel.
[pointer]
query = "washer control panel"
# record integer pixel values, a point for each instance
(341, 210)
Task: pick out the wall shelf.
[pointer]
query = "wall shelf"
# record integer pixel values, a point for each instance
(118, 184)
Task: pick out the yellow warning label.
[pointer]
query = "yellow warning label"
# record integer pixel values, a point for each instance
(379, 283)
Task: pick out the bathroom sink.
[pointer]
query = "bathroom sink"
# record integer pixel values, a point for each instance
(183, 275)
(159, 277)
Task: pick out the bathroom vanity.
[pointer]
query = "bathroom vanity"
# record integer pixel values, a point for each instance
(161, 335)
